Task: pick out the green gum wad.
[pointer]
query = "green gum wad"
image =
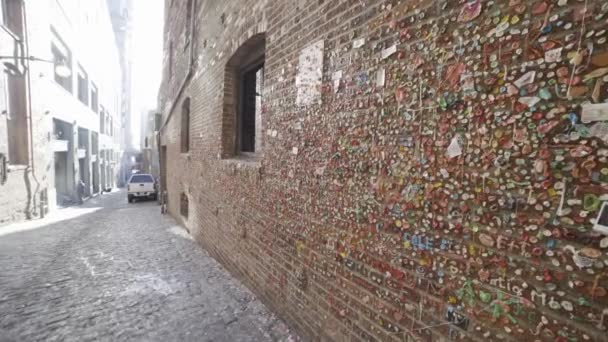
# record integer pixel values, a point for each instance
(591, 202)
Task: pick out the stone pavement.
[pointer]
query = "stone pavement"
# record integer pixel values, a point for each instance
(113, 271)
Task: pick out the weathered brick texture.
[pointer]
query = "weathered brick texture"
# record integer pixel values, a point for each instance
(354, 223)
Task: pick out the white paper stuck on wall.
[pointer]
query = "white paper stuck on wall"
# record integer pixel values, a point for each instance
(310, 74)
(594, 112)
(454, 149)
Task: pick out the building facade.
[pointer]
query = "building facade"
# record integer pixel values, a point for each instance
(396, 170)
(150, 125)
(121, 12)
(23, 190)
(60, 130)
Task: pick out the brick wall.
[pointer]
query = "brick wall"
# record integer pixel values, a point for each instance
(420, 183)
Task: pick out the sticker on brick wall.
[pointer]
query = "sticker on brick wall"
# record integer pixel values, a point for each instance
(594, 112)
(310, 73)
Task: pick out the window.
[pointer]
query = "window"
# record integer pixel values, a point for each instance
(102, 121)
(244, 77)
(94, 143)
(3, 11)
(170, 69)
(94, 98)
(83, 86)
(188, 23)
(16, 123)
(158, 119)
(14, 142)
(251, 83)
(183, 205)
(185, 132)
(12, 16)
(141, 179)
(146, 142)
(61, 56)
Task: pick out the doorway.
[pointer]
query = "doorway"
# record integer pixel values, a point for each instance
(61, 178)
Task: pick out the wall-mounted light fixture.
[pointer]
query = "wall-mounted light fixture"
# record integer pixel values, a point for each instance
(61, 69)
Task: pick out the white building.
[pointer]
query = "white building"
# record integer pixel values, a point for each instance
(88, 103)
(73, 123)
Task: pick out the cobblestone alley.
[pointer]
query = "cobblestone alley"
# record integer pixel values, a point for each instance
(109, 270)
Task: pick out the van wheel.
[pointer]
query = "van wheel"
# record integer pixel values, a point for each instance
(130, 199)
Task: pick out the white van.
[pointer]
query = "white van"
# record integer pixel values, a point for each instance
(141, 185)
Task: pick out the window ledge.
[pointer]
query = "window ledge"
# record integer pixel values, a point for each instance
(17, 167)
(253, 161)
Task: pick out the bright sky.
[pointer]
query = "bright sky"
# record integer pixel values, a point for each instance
(147, 59)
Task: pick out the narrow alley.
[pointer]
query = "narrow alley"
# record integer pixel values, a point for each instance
(115, 271)
(346, 170)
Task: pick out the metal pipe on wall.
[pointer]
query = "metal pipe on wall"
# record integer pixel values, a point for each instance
(31, 165)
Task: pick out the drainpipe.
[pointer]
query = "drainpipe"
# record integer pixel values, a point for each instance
(159, 194)
(31, 166)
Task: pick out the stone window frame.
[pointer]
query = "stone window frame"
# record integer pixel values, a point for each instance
(248, 55)
(62, 55)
